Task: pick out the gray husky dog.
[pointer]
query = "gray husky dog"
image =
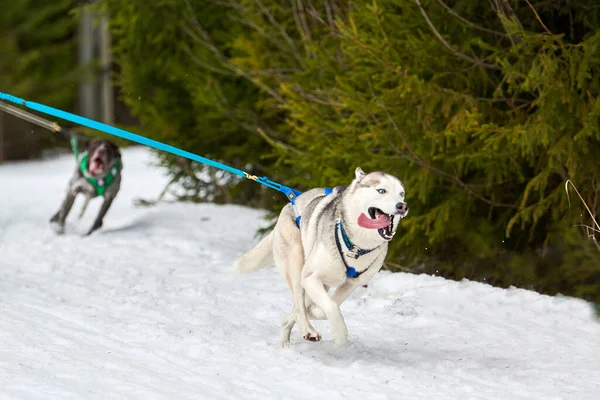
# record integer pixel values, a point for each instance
(97, 173)
(330, 238)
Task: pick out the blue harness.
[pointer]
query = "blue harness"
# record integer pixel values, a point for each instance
(292, 198)
(354, 251)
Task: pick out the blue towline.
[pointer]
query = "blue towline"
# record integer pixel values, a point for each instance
(290, 193)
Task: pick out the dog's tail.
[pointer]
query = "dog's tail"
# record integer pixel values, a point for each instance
(258, 257)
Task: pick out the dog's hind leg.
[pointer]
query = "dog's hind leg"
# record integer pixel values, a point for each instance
(298, 314)
(286, 328)
(289, 258)
(290, 320)
(301, 315)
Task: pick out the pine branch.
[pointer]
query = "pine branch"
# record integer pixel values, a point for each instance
(207, 41)
(206, 65)
(469, 23)
(276, 143)
(302, 16)
(503, 8)
(449, 47)
(281, 30)
(593, 228)
(262, 131)
(244, 20)
(424, 164)
(310, 97)
(314, 13)
(301, 25)
(329, 12)
(537, 16)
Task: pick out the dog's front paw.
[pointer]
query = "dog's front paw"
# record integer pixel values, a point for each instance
(340, 331)
(54, 218)
(341, 340)
(284, 342)
(312, 337)
(284, 336)
(59, 229)
(96, 226)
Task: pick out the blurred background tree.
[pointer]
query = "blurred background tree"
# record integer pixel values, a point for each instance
(38, 59)
(52, 51)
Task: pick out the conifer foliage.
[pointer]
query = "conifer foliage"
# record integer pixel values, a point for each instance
(483, 109)
(38, 49)
(38, 57)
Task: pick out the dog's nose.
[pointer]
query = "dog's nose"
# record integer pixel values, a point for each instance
(402, 207)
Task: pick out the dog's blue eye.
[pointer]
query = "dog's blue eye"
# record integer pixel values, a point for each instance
(381, 191)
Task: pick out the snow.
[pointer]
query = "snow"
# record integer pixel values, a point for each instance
(149, 307)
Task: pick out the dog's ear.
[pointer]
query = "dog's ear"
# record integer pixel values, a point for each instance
(359, 173)
(114, 149)
(91, 144)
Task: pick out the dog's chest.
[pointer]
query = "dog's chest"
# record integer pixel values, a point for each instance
(332, 269)
(80, 184)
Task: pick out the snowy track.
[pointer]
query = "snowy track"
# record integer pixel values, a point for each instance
(149, 308)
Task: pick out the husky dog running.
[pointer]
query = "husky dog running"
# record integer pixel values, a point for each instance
(330, 238)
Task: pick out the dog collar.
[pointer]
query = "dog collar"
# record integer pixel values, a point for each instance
(354, 251)
(100, 184)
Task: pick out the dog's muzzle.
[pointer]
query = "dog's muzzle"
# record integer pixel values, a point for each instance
(402, 209)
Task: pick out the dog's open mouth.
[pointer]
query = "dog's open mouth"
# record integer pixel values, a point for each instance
(388, 232)
(96, 166)
(379, 220)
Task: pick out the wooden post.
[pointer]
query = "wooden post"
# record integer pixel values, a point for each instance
(1, 137)
(106, 62)
(87, 91)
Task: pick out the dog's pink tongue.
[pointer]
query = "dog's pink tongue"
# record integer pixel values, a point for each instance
(381, 222)
(95, 166)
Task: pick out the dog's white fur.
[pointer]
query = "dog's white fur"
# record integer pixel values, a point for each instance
(309, 259)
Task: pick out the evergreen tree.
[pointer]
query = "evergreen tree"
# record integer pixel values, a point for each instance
(38, 56)
(191, 95)
(38, 52)
(483, 109)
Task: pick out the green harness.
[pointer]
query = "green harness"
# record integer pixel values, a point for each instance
(99, 184)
